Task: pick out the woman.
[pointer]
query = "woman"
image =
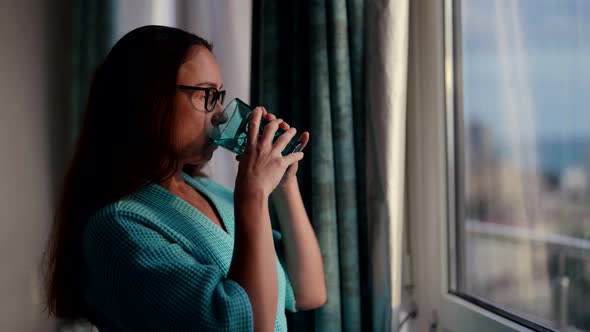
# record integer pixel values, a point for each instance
(142, 241)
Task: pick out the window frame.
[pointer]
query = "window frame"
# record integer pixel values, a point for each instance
(433, 175)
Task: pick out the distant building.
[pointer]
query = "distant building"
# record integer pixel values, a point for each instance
(480, 171)
(574, 183)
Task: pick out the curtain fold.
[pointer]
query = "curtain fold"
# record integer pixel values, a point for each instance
(387, 49)
(308, 69)
(92, 37)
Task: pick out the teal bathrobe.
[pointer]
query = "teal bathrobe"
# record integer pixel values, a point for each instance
(156, 263)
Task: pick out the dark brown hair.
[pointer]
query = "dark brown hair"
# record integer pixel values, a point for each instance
(126, 141)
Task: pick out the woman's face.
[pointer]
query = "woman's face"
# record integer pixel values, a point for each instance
(193, 122)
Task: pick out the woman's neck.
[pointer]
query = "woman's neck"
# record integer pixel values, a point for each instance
(175, 183)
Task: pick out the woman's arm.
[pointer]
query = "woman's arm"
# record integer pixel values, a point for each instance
(143, 281)
(254, 265)
(302, 252)
(260, 170)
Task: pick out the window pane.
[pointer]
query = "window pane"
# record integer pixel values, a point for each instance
(524, 228)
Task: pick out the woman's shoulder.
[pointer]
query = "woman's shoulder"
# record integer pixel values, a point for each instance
(129, 206)
(129, 218)
(139, 208)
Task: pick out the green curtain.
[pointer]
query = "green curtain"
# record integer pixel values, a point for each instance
(308, 68)
(92, 37)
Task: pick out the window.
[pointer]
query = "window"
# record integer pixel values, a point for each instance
(519, 160)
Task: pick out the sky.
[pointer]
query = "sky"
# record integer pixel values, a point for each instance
(526, 67)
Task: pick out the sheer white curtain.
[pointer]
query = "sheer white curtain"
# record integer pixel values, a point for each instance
(227, 24)
(387, 62)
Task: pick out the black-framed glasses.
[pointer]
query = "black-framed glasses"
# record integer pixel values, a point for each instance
(204, 98)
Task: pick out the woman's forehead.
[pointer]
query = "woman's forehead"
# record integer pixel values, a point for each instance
(200, 66)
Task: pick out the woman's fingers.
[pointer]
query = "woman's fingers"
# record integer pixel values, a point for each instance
(269, 132)
(284, 126)
(262, 163)
(292, 158)
(284, 139)
(303, 140)
(254, 126)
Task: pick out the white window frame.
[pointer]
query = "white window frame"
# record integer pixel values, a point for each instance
(430, 177)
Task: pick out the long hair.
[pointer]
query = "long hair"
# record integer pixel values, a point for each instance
(126, 141)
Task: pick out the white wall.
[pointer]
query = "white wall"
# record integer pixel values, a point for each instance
(31, 49)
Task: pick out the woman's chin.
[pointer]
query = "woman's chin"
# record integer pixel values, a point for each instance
(208, 153)
(202, 156)
(212, 149)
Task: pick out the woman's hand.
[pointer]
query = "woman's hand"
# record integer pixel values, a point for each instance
(291, 173)
(262, 166)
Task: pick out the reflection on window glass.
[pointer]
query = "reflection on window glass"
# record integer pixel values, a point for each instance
(525, 238)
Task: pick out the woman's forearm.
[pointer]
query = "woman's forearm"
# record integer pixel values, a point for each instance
(302, 252)
(254, 263)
